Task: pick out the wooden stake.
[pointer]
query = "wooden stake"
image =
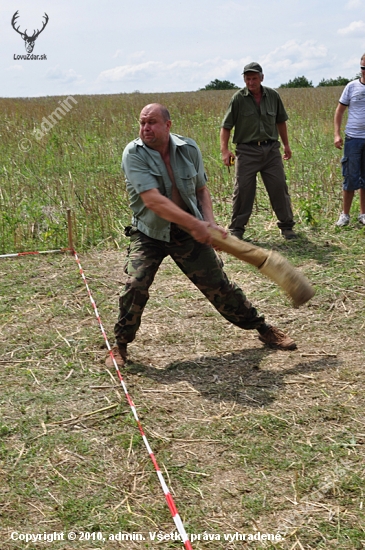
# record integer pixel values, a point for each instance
(69, 227)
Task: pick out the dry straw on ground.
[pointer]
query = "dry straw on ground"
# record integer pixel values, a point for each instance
(249, 439)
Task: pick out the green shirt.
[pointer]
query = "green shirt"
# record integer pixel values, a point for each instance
(252, 122)
(144, 170)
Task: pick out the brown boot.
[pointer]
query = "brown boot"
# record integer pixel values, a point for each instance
(289, 234)
(119, 354)
(276, 338)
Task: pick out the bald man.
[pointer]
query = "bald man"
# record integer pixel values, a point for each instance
(172, 211)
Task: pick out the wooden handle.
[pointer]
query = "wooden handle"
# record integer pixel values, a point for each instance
(242, 250)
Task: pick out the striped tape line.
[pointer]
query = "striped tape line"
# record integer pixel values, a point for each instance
(170, 501)
(35, 253)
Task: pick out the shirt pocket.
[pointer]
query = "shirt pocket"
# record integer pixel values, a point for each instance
(270, 116)
(157, 176)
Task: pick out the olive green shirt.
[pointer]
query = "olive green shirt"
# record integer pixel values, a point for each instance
(252, 122)
(144, 170)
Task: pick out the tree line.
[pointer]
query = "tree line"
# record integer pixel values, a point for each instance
(303, 82)
(297, 82)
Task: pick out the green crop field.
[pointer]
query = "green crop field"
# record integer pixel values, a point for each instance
(76, 163)
(249, 440)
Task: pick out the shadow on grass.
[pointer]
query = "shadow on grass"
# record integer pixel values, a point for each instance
(236, 377)
(303, 249)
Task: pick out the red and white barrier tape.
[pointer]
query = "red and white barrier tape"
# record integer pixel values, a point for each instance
(35, 253)
(170, 501)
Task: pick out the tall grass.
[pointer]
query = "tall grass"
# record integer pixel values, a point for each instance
(77, 163)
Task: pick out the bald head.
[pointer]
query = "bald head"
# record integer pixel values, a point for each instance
(160, 108)
(154, 126)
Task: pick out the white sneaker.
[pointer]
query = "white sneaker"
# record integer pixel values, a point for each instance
(344, 219)
(361, 219)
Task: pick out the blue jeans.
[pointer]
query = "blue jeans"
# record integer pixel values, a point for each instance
(353, 164)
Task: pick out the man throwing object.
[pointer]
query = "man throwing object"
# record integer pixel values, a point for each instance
(166, 183)
(258, 117)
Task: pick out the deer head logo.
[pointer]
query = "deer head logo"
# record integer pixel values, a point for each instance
(28, 40)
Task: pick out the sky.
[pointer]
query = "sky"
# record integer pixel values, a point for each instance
(175, 46)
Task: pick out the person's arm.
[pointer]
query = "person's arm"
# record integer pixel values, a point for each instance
(341, 108)
(205, 201)
(283, 132)
(227, 155)
(168, 210)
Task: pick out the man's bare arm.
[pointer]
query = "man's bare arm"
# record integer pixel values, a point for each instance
(337, 123)
(227, 155)
(283, 132)
(168, 210)
(205, 200)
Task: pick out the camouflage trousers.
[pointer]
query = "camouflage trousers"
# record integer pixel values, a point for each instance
(201, 265)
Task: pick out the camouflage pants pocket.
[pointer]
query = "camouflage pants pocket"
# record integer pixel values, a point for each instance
(143, 260)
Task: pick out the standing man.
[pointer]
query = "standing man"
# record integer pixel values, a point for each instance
(353, 161)
(166, 183)
(258, 117)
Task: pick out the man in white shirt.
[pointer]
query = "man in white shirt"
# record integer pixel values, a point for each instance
(353, 160)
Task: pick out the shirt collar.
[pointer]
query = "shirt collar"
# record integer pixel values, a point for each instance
(246, 92)
(175, 140)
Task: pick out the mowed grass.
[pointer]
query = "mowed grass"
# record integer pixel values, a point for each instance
(248, 439)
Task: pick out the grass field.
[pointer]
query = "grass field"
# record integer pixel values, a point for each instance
(248, 439)
(77, 163)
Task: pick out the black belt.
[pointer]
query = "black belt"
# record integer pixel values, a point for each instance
(176, 229)
(260, 143)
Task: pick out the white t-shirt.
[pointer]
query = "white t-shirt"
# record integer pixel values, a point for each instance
(353, 97)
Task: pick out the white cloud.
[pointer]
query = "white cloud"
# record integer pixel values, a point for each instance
(186, 71)
(138, 55)
(294, 56)
(65, 76)
(297, 52)
(356, 28)
(131, 72)
(130, 57)
(353, 4)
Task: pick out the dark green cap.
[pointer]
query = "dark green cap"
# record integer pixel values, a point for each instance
(252, 68)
